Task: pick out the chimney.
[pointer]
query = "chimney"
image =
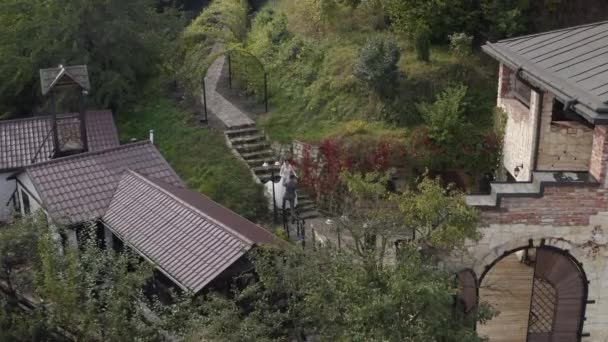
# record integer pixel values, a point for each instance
(152, 136)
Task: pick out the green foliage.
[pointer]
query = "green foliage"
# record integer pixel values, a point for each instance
(122, 42)
(17, 254)
(461, 44)
(422, 43)
(199, 155)
(440, 16)
(445, 118)
(359, 293)
(504, 18)
(223, 21)
(376, 64)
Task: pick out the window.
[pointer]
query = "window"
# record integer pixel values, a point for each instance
(522, 92)
(560, 113)
(26, 203)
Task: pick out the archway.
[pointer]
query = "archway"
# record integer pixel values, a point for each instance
(540, 292)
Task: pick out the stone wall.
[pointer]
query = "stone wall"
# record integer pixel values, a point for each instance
(560, 205)
(599, 154)
(580, 241)
(564, 145)
(521, 128)
(298, 148)
(570, 217)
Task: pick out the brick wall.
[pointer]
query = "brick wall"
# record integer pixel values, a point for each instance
(599, 154)
(563, 146)
(504, 81)
(571, 205)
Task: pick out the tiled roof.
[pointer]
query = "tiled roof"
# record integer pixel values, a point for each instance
(52, 77)
(79, 188)
(22, 139)
(186, 235)
(572, 63)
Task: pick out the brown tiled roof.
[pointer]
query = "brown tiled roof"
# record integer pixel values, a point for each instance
(189, 237)
(22, 139)
(79, 188)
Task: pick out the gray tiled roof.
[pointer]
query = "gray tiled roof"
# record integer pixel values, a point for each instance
(21, 139)
(51, 77)
(189, 245)
(572, 63)
(79, 188)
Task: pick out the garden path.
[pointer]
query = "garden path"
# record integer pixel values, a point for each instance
(232, 116)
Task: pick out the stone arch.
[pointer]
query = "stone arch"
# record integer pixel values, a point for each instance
(499, 251)
(550, 290)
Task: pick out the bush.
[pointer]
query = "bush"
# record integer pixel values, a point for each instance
(445, 116)
(422, 43)
(461, 44)
(376, 64)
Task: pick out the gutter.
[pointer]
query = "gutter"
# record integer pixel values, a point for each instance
(583, 105)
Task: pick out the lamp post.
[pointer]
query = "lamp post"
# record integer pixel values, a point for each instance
(274, 200)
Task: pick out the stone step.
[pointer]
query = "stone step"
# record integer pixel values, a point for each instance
(307, 215)
(247, 139)
(255, 162)
(264, 154)
(251, 130)
(266, 170)
(248, 148)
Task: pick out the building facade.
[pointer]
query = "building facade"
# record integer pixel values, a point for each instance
(542, 260)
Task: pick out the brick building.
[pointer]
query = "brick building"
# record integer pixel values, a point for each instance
(542, 259)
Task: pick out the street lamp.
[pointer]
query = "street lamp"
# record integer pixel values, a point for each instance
(274, 200)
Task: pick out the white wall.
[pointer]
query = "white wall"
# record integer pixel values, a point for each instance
(7, 188)
(521, 130)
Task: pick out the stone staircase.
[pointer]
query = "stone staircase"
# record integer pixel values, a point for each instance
(253, 147)
(525, 189)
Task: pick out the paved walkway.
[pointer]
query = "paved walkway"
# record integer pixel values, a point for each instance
(217, 104)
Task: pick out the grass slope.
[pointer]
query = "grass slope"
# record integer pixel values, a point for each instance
(199, 155)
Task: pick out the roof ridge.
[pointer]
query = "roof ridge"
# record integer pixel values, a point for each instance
(532, 35)
(48, 116)
(191, 207)
(88, 154)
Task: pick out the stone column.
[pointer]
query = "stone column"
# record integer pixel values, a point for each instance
(599, 154)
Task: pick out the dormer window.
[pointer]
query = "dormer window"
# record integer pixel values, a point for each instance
(522, 92)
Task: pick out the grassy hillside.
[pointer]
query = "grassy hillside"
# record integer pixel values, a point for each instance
(313, 89)
(198, 154)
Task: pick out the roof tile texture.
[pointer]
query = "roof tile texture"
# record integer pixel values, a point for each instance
(20, 140)
(185, 243)
(79, 188)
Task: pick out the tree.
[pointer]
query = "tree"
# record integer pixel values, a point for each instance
(17, 254)
(422, 43)
(88, 294)
(445, 118)
(440, 16)
(96, 294)
(377, 66)
(361, 291)
(122, 42)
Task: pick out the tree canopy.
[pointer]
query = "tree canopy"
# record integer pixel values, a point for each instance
(361, 291)
(122, 42)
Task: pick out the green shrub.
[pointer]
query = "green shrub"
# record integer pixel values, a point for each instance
(376, 64)
(422, 43)
(461, 44)
(445, 116)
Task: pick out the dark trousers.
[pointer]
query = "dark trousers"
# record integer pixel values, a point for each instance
(292, 203)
